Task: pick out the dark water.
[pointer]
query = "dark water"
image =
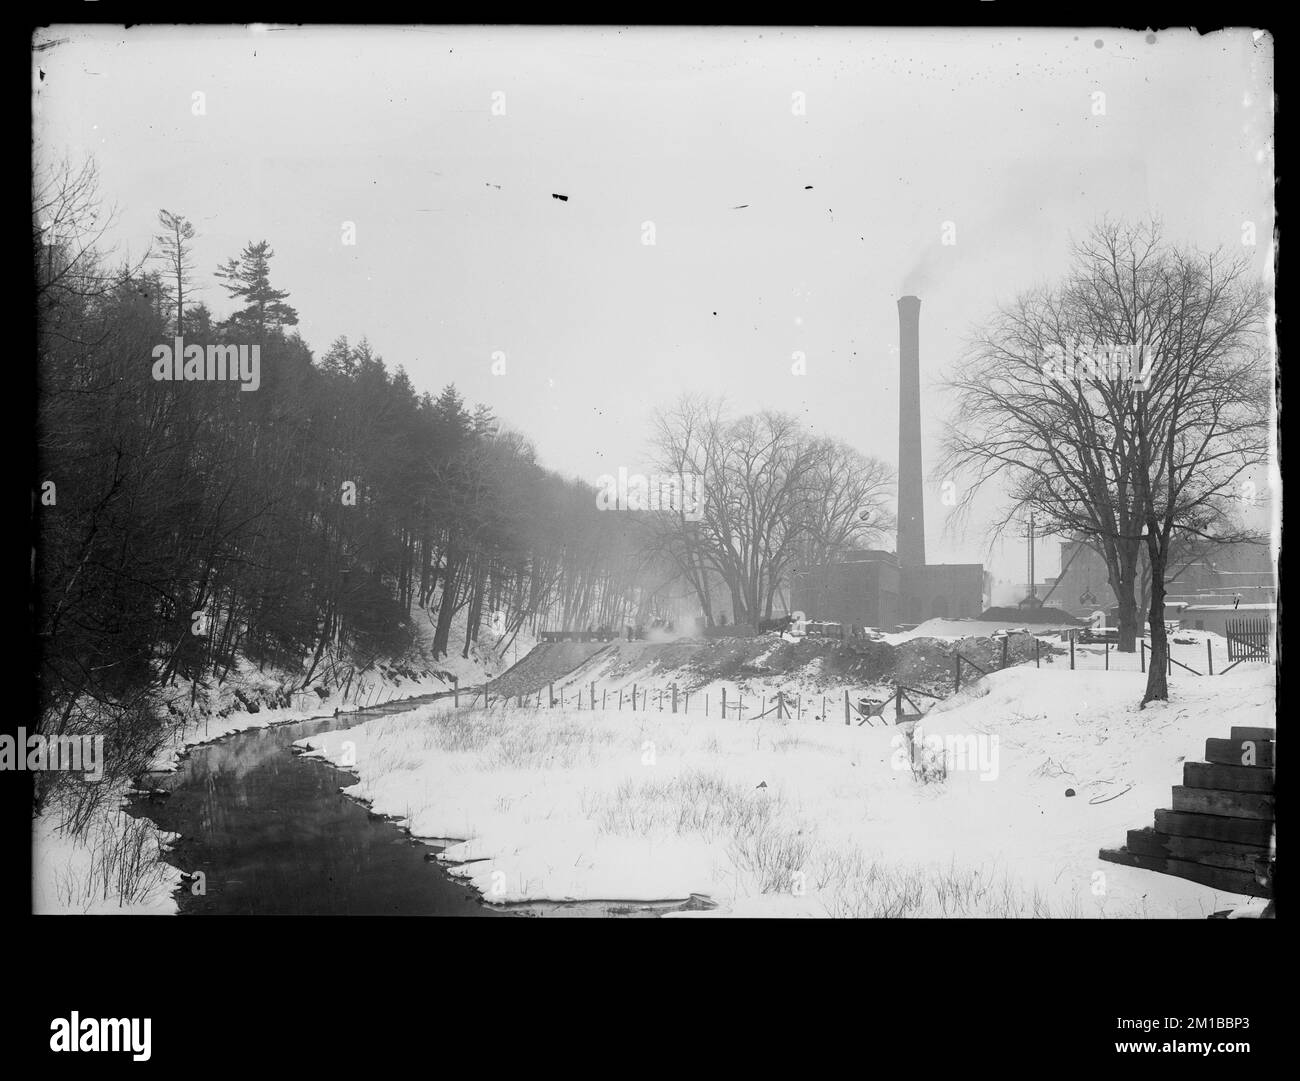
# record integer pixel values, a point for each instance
(274, 835)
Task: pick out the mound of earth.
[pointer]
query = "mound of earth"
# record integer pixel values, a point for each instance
(923, 662)
(545, 663)
(929, 663)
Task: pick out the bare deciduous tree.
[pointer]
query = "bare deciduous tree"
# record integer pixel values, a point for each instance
(773, 497)
(1123, 407)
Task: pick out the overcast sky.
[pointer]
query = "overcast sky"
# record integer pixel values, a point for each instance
(461, 250)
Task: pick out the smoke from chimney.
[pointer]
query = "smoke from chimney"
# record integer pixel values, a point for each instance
(911, 508)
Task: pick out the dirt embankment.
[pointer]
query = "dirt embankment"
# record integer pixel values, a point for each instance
(928, 663)
(924, 663)
(544, 663)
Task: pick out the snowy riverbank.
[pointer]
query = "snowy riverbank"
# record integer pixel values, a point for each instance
(117, 865)
(813, 818)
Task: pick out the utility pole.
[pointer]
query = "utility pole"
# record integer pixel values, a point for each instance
(1033, 589)
(1031, 598)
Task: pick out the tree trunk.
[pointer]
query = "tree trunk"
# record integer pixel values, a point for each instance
(446, 605)
(737, 605)
(1128, 625)
(1122, 566)
(1158, 661)
(472, 623)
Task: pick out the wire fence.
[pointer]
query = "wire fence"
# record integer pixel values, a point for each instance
(1195, 657)
(716, 702)
(1199, 657)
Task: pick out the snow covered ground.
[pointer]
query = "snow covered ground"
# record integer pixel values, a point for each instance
(953, 629)
(813, 818)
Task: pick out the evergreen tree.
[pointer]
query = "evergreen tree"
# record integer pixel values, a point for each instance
(248, 278)
(174, 240)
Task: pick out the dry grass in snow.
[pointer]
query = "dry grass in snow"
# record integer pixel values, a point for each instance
(813, 818)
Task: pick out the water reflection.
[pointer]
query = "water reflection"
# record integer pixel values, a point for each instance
(274, 835)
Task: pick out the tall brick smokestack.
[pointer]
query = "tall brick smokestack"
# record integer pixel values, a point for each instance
(911, 508)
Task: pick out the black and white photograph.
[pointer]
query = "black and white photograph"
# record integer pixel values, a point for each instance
(703, 473)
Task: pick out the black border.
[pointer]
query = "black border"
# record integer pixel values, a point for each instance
(400, 994)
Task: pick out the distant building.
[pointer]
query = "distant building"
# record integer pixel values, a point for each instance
(861, 590)
(870, 589)
(1216, 617)
(1225, 575)
(942, 590)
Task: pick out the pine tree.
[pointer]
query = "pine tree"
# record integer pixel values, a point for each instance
(337, 359)
(199, 321)
(175, 240)
(249, 279)
(449, 408)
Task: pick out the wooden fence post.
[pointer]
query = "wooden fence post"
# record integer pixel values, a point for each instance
(846, 707)
(956, 674)
(1142, 653)
(1106, 644)
(593, 694)
(633, 697)
(1071, 652)
(1037, 664)
(552, 694)
(1209, 656)
(1006, 642)
(602, 699)
(724, 703)
(674, 697)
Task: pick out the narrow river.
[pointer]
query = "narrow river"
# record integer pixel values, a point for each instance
(274, 835)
